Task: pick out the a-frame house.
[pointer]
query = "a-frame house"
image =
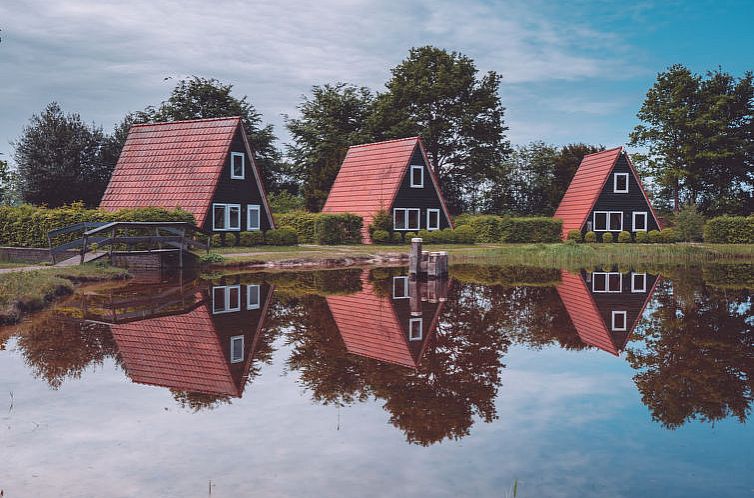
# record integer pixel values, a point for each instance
(606, 195)
(204, 166)
(395, 176)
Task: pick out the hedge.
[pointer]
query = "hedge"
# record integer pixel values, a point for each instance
(283, 236)
(730, 230)
(322, 228)
(27, 226)
(490, 228)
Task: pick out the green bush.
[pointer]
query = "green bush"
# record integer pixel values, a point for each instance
(283, 236)
(252, 238)
(607, 237)
(407, 236)
(574, 235)
(380, 236)
(590, 237)
(654, 237)
(301, 221)
(642, 237)
(669, 235)
(285, 202)
(689, 223)
(396, 238)
(534, 229)
(323, 228)
(624, 237)
(229, 237)
(730, 230)
(487, 228)
(211, 258)
(465, 234)
(381, 221)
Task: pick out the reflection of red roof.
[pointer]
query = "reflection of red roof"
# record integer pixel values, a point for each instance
(370, 177)
(174, 164)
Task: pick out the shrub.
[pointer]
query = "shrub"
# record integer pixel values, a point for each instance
(607, 237)
(669, 235)
(283, 236)
(487, 228)
(730, 230)
(380, 236)
(381, 221)
(252, 238)
(301, 221)
(654, 237)
(574, 235)
(465, 234)
(534, 229)
(590, 237)
(323, 228)
(285, 202)
(228, 237)
(642, 237)
(624, 237)
(689, 223)
(396, 238)
(211, 258)
(407, 236)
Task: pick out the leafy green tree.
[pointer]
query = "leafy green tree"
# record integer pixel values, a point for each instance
(438, 95)
(59, 159)
(566, 163)
(332, 119)
(530, 177)
(9, 194)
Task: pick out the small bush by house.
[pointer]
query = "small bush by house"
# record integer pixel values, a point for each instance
(607, 237)
(283, 236)
(380, 237)
(575, 235)
(654, 237)
(730, 230)
(642, 238)
(689, 223)
(487, 228)
(590, 237)
(624, 237)
(322, 228)
(252, 238)
(668, 235)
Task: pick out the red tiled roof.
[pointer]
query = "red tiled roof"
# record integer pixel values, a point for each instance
(173, 164)
(370, 176)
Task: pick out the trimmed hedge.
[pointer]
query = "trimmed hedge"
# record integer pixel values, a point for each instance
(642, 237)
(495, 229)
(730, 230)
(27, 226)
(624, 237)
(283, 236)
(487, 228)
(322, 228)
(575, 235)
(607, 237)
(669, 235)
(590, 237)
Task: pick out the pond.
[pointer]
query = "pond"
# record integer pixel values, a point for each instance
(362, 382)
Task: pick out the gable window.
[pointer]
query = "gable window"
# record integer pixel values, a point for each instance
(618, 321)
(406, 218)
(400, 287)
(620, 183)
(226, 217)
(607, 282)
(638, 282)
(236, 349)
(252, 217)
(226, 298)
(237, 165)
(639, 221)
(417, 176)
(415, 329)
(252, 297)
(433, 219)
(608, 221)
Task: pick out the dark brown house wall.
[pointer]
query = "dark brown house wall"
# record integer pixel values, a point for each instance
(423, 198)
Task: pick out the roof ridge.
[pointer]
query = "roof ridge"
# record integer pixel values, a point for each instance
(604, 151)
(158, 123)
(385, 141)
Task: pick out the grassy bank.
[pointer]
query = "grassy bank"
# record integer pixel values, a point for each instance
(28, 291)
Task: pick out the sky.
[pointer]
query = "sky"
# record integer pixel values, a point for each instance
(572, 71)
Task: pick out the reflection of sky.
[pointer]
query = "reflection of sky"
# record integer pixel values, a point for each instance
(571, 424)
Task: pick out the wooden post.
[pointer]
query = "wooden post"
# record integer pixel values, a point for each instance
(415, 257)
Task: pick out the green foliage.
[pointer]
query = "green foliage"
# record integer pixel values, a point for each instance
(381, 221)
(590, 237)
(654, 237)
(564, 167)
(396, 238)
(465, 234)
(730, 230)
(642, 237)
(211, 258)
(575, 235)
(534, 229)
(252, 238)
(624, 237)
(380, 237)
(729, 275)
(669, 235)
(689, 223)
(283, 236)
(302, 222)
(225, 239)
(607, 237)
(332, 229)
(285, 202)
(407, 236)
(487, 228)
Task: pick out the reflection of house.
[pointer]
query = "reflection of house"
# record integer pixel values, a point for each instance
(606, 306)
(394, 326)
(208, 350)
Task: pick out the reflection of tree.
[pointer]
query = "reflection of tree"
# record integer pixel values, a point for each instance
(199, 401)
(695, 353)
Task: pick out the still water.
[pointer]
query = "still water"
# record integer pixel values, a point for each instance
(360, 382)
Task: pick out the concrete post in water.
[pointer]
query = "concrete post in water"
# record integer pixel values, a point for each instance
(414, 294)
(415, 257)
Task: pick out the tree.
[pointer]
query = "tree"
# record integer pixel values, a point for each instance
(529, 172)
(437, 94)
(566, 163)
(332, 119)
(59, 159)
(8, 184)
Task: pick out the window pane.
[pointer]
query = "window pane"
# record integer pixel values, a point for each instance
(413, 219)
(218, 299)
(415, 329)
(400, 219)
(253, 217)
(600, 221)
(433, 219)
(234, 217)
(616, 221)
(417, 174)
(614, 282)
(621, 182)
(600, 282)
(236, 349)
(238, 165)
(234, 298)
(399, 287)
(640, 221)
(219, 217)
(639, 282)
(253, 297)
(619, 321)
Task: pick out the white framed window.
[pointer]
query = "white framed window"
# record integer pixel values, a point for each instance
(237, 165)
(638, 282)
(433, 219)
(417, 176)
(639, 221)
(620, 183)
(607, 282)
(400, 288)
(608, 221)
(415, 329)
(236, 349)
(618, 321)
(252, 297)
(253, 218)
(406, 218)
(226, 299)
(226, 217)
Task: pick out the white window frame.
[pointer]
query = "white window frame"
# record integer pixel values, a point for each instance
(607, 282)
(406, 211)
(607, 228)
(233, 156)
(249, 304)
(644, 282)
(625, 321)
(232, 340)
(226, 289)
(633, 221)
(615, 183)
(227, 208)
(411, 323)
(404, 284)
(249, 209)
(437, 211)
(411, 172)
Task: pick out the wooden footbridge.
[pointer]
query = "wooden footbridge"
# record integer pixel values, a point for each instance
(124, 240)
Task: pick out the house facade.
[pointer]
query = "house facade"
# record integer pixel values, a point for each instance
(204, 166)
(395, 176)
(606, 195)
